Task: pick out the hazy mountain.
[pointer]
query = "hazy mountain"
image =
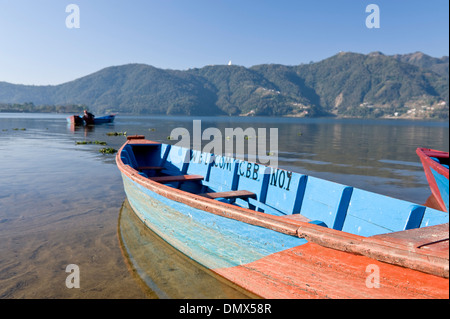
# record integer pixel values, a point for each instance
(346, 84)
(438, 65)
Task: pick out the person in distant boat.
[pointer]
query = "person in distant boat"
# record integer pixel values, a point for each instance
(88, 117)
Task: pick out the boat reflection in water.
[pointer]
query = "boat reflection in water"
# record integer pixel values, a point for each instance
(162, 271)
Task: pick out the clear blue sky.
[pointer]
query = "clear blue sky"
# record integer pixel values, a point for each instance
(37, 48)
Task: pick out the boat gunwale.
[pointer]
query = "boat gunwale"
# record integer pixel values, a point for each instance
(429, 164)
(432, 262)
(422, 153)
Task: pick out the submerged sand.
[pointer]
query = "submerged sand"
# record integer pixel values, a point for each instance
(60, 207)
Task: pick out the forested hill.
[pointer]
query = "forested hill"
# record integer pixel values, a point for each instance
(346, 84)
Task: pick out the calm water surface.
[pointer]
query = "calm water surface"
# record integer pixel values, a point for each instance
(62, 203)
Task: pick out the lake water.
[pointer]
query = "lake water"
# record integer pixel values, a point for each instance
(63, 203)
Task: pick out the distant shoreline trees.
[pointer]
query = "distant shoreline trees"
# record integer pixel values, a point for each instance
(29, 107)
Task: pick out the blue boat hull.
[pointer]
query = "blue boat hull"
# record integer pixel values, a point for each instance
(182, 225)
(78, 120)
(293, 223)
(104, 119)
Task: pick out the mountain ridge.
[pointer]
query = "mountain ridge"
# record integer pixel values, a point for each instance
(345, 84)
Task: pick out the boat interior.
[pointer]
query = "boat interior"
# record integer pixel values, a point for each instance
(443, 160)
(276, 191)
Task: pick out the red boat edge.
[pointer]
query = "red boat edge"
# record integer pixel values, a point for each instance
(435, 164)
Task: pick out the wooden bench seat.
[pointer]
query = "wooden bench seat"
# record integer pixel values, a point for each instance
(231, 194)
(177, 178)
(155, 168)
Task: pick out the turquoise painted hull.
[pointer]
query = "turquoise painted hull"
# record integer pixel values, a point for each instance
(196, 233)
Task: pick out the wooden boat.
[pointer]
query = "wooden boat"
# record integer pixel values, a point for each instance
(281, 234)
(435, 164)
(78, 120)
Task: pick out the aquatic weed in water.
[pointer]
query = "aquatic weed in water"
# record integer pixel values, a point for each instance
(90, 142)
(108, 150)
(116, 133)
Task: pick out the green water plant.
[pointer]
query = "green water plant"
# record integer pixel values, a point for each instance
(108, 150)
(116, 133)
(90, 142)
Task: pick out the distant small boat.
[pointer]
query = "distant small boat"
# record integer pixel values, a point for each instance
(78, 120)
(435, 164)
(281, 234)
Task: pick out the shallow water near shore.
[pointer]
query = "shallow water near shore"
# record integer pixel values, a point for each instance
(60, 201)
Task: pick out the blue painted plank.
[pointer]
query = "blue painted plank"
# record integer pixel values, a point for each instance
(286, 190)
(177, 160)
(322, 200)
(434, 217)
(222, 174)
(372, 214)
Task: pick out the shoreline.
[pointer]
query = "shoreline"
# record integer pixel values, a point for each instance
(340, 117)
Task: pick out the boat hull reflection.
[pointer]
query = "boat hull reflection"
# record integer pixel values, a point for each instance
(162, 271)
